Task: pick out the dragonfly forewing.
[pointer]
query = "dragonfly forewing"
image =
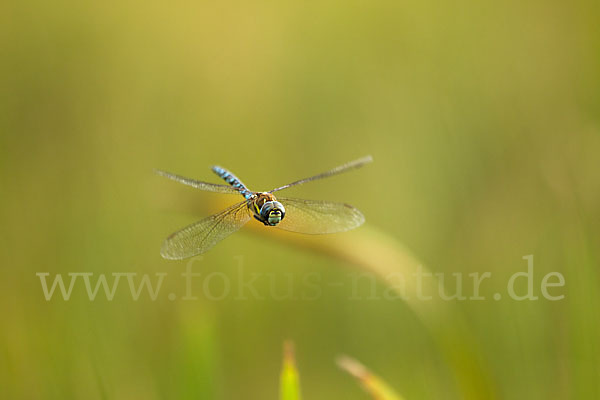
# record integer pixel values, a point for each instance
(318, 217)
(334, 171)
(206, 186)
(203, 235)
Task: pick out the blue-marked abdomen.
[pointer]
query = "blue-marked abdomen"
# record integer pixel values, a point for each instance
(233, 181)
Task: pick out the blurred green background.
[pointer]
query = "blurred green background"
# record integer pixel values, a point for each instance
(482, 118)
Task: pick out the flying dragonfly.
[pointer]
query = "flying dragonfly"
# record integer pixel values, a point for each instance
(290, 214)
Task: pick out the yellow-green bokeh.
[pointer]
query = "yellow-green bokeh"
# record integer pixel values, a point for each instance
(484, 122)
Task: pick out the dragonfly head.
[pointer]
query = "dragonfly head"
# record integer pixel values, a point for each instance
(272, 212)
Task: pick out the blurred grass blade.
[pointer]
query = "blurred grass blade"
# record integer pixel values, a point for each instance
(376, 252)
(290, 379)
(376, 387)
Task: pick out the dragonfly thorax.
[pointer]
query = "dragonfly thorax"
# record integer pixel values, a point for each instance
(268, 210)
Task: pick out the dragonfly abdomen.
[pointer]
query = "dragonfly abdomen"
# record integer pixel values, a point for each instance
(233, 180)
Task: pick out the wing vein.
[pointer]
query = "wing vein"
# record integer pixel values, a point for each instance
(202, 235)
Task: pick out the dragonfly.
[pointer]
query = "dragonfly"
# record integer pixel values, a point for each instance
(287, 213)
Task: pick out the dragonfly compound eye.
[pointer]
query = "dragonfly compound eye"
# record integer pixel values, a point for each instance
(272, 212)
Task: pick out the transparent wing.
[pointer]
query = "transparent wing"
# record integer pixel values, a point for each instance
(207, 186)
(202, 235)
(317, 217)
(337, 170)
